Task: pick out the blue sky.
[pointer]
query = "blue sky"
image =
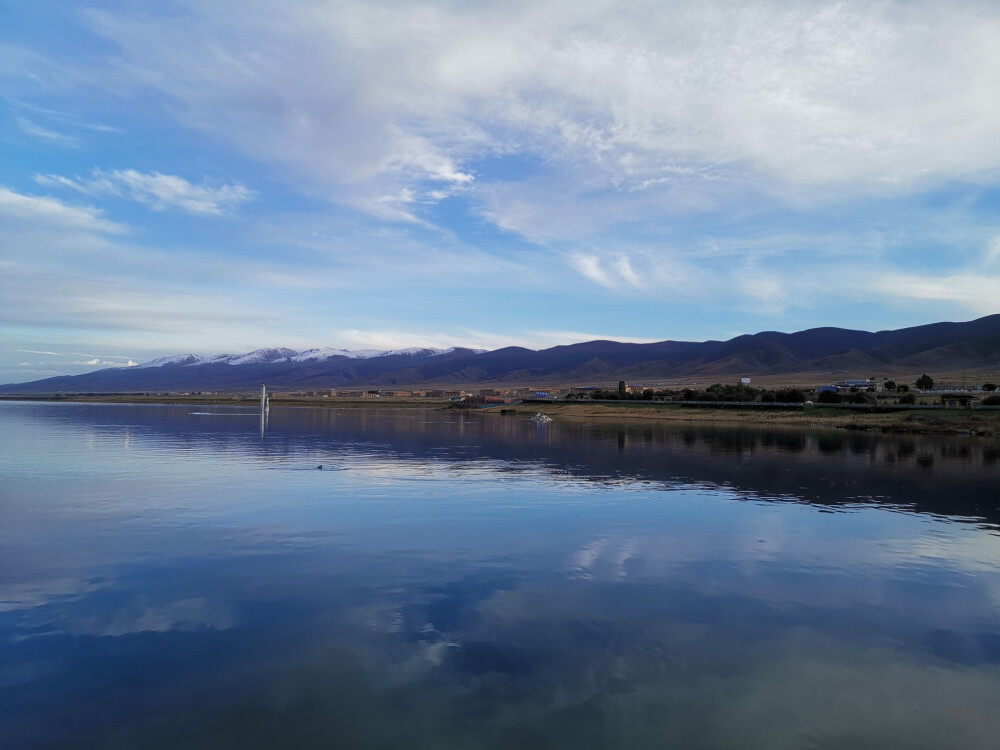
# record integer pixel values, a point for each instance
(181, 176)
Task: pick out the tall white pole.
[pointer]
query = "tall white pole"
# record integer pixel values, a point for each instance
(263, 398)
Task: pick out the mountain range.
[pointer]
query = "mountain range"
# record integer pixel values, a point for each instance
(938, 347)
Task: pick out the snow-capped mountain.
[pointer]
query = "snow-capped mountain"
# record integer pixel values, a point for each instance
(177, 359)
(279, 367)
(282, 354)
(326, 353)
(262, 356)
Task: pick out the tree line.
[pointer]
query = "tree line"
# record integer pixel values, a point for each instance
(735, 392)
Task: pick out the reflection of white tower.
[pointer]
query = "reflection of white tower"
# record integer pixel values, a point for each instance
(264, 408)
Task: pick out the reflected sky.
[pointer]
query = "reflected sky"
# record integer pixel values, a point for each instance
(171, 579)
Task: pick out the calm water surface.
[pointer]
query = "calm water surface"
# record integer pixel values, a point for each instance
(171, 578)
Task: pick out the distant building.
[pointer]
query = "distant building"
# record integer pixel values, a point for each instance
(959, 400)
(480, 400)
(744, 381)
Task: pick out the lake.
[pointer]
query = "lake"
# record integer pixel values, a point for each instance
(179, 577)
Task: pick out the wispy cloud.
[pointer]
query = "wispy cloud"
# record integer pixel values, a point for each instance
(971, 291)
(96, 361)
(159, 191)
(62, 118)
(624, 268)
(46, 211)
(98, 356)
(51, 136)
(992, 256)
(590, 267)
(72, 354)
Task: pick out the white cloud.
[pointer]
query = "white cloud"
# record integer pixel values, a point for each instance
(971, 291)
(768, 291)
(993, 253)
(369, 101)
(590, 267)
(108, 360)
(45, 134)
(106, 363)
(99, 356)
(650, 271)
(159, 191)
(64, 119)
(624, 268)
(463, 337)
(50, 212)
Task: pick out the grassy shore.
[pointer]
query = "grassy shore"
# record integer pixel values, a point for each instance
(954, 422)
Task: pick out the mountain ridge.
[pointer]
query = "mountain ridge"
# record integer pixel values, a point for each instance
(935, 346)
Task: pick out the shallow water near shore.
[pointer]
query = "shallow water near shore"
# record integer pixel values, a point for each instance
(179, 576)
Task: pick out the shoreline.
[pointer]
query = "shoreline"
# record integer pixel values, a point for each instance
(958, 422)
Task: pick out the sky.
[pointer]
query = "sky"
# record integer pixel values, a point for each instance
(219, 176)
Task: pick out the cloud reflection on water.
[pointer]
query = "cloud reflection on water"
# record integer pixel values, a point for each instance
(606, 585)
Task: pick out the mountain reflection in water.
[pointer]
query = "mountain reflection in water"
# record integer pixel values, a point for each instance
(470, 580)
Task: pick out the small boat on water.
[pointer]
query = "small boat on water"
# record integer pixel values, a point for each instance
(541, 418)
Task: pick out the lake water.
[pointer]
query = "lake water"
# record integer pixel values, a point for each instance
(173, 577)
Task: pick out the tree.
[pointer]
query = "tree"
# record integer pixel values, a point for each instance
(890, 385)
(989, 387)
(907, 398)
(792, 395)
(902, 388)
(925, 382)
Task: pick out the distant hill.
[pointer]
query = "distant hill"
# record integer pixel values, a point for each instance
(935, 347)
